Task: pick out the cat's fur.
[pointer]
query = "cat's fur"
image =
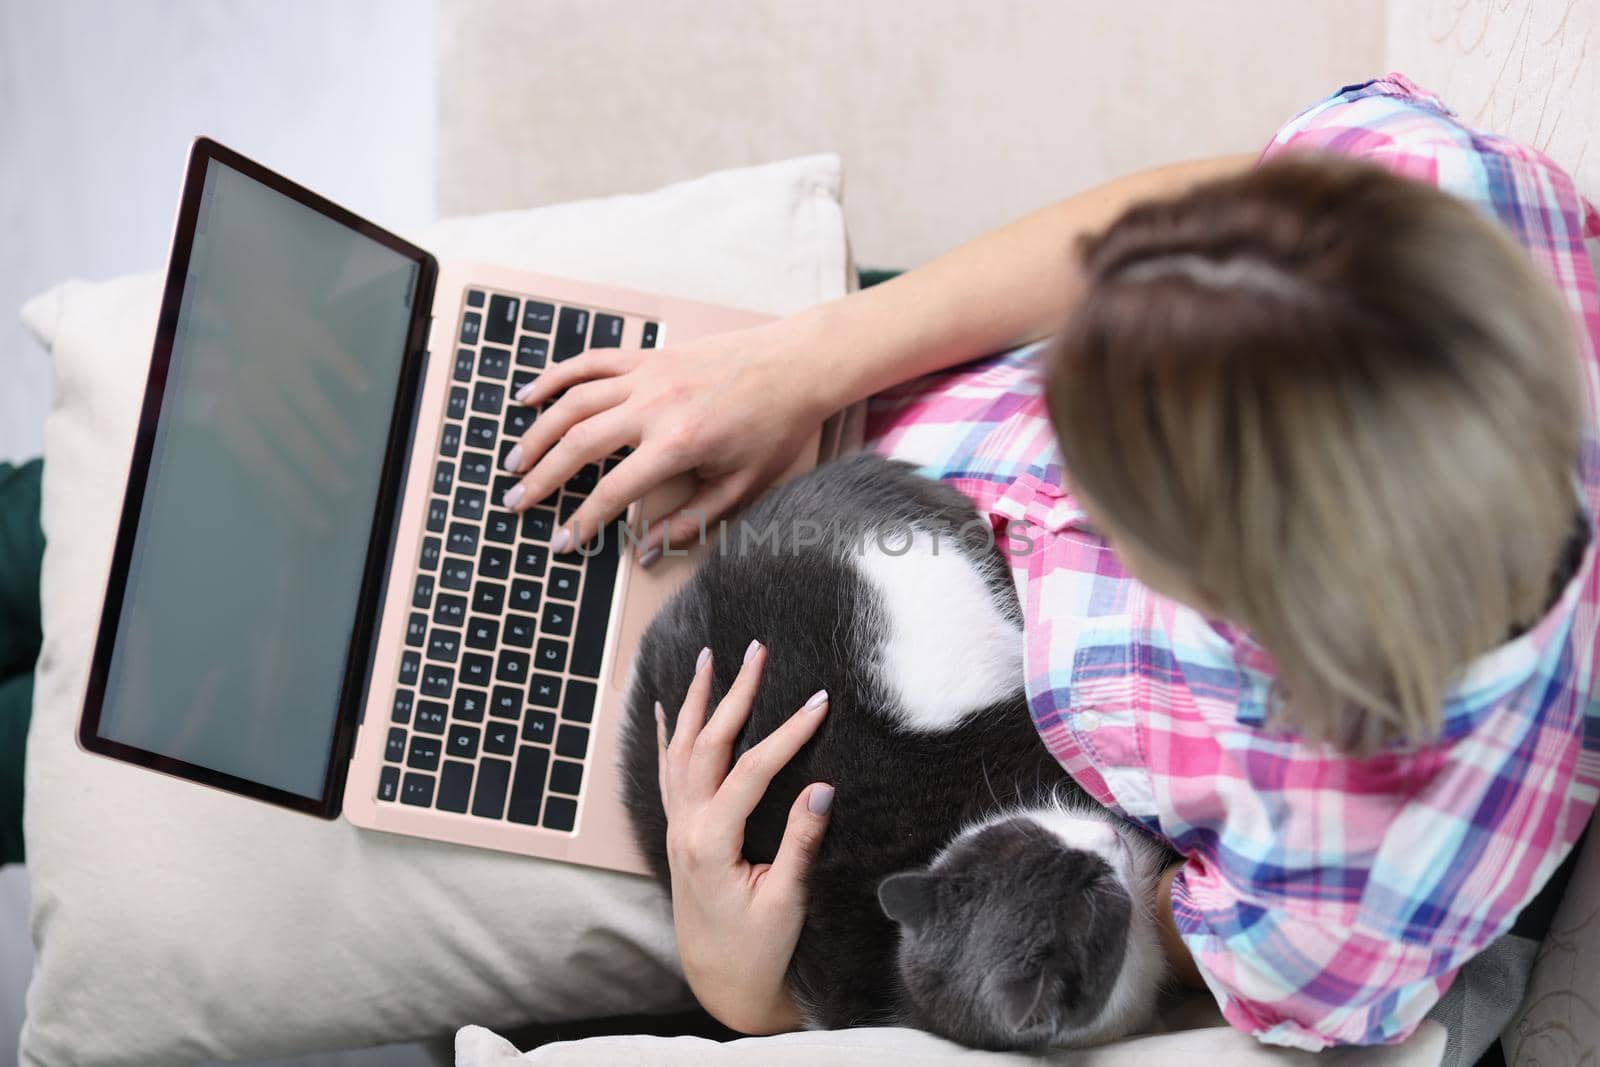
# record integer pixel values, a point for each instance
(1030, 926)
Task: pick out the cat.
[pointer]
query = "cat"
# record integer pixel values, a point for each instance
(965, 884)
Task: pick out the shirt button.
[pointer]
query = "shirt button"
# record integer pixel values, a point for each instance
(1088, 720)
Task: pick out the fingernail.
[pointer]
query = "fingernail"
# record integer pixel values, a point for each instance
(514, 458)
(514, 494)
(819, 698)
(751, 650)
(705, 657)
(661, 714)
(525, 392)
(649, 555)
(820, 800)
(561, 540)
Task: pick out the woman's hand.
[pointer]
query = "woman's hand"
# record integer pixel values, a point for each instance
(737, 923)
(734, 409)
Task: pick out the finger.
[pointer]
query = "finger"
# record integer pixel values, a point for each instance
(802, 837)
(753, 772)
(661, 755)
(708, 763)
(595, 363)
(589, 442)
(554, 424)
(640, 472)
(686, 525)
(691, 716)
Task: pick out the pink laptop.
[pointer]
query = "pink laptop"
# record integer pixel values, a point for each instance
(315, 598)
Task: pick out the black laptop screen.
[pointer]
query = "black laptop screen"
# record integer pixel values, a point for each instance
(240, 597)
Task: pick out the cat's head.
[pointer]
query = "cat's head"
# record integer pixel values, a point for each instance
(1026, 932)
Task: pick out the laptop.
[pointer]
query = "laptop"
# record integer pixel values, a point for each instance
(316, 599)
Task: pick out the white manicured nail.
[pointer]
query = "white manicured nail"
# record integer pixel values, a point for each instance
(514, 458)
(705, 657)
(750, 652)
(819, 698)
(525, 392)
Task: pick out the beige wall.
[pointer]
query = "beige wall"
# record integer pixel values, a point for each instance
(952, 115)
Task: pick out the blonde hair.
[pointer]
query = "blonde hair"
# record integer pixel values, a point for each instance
(1346, 408)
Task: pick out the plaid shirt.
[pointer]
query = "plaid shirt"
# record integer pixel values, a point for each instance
(1326, 900)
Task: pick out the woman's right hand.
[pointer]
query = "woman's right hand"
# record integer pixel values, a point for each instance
(733, 409)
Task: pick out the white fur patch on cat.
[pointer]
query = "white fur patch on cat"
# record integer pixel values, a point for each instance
(947, 649)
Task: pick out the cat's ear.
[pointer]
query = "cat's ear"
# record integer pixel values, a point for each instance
(1023, 1000)
(907, 897)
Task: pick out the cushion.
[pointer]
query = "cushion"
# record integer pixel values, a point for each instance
(477, 1047)
(175, 923)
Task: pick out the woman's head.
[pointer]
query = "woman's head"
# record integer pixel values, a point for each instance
(1337, 407)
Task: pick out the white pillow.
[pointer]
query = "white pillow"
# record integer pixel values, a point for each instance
(174, 923)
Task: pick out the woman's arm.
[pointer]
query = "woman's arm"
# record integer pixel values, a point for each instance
(736, 408)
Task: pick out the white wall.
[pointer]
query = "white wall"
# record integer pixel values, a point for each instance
(99, 98)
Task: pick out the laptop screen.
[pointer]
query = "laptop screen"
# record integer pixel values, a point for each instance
(241, 593)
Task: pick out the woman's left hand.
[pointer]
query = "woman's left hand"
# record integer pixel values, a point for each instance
(737, 922)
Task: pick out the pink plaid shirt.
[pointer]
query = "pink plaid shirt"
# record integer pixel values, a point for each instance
(1326, 900)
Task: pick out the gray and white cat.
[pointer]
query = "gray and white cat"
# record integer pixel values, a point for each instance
(965, 884)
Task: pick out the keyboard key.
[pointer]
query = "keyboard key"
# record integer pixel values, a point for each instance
(471, 326)
(525, 595)
(463, 369)
(538, 524)
(552, 654)
(417, 629)
(489, 598)
(594, 610)
(455, 786)
(389, 784)
(457, 407)
(475, 298)
(483, 633)
(519, 631)
(488, 397)
(489, 802)
(536, 317)
(410, 667)
(462, 539)
(418, 790)
(431, 547)
(512, 666)
(539, 726)
(531, 559)
(444, 646)
(469, 705)
(527, 786)
(519, 379)
(557, 619)
(395, 750)
(450, 610)
(494, 363)
(652, 330)
(569, 504)
(585, 480)
(400, 710)
(438, 513)
(607, 331)
(564, 583)
(500, 326)
(506, 702)
(545, 691)
(500, 738)
(579, 704)
(566, 777)
(482, 433)
(424, 754)
(456, 574)
(431, 716)
(495, 563)
(572, 741)
(572, 330)
(450, 439)
(560, 813)
(469, 503)
(477, 468)
(437, 680)
(464, 741)
(533, 351)
(518, 419)
(476, 670)
(500, 526)
(443, 476)
(422, 591)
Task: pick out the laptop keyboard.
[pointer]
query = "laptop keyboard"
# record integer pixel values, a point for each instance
(495, 700)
